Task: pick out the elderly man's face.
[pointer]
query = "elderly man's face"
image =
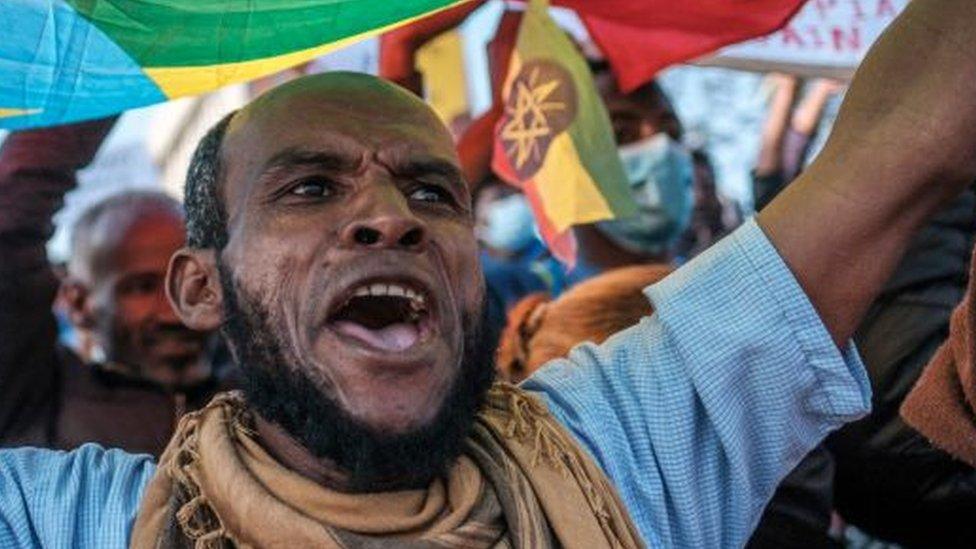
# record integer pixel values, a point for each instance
(134, 323)
(349, 222)
(115, 294)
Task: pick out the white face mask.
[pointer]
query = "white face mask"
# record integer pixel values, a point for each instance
(510, 224)
(660, 173)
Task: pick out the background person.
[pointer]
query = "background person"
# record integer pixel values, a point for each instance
(660, 173)
(891, 483)
(787, 133)
(147, 368)
(713, 215)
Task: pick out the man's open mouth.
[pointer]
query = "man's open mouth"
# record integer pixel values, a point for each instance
(390, 316)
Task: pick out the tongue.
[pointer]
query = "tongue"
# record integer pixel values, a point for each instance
(398, 336)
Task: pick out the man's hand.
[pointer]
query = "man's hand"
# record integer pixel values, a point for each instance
(904, 143)
(770, 159)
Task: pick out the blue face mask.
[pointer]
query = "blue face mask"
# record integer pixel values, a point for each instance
(660, 173)
(510, 225)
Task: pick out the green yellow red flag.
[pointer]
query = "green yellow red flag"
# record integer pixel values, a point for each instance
(554, 140)
(69, 60)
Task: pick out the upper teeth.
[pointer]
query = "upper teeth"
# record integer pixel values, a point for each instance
(416, 299)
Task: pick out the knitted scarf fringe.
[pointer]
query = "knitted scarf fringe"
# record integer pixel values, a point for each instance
(196, 517)
(529, 420)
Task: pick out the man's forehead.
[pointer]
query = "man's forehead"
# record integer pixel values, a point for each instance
(338, 97)
(345, 117)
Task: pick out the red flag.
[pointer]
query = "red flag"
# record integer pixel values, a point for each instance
(642, 37)
(475, 146)
(397, 47)
(639, 37)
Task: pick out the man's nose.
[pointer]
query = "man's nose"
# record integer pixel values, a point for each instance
(388, 223)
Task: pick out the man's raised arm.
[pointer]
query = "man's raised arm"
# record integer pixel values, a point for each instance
(903, 144)
(698, 412)
(37, 168)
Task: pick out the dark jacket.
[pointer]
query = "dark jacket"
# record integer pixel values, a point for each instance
(890, 481)
(47, 396)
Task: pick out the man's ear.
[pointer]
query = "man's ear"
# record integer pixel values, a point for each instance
(74, 294)
(193, 288)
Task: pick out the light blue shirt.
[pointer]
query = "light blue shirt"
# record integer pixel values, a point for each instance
(695, 413)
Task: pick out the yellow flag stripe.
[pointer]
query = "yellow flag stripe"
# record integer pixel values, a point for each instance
(9, 113)
(181, 81)
(441, 60)
(568, 194)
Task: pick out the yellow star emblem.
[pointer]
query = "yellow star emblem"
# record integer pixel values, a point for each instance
(529, 117)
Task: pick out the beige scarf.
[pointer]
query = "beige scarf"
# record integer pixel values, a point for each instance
(523, 482)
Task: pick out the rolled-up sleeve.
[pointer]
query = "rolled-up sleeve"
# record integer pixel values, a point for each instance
(88, 497)
(697, 412)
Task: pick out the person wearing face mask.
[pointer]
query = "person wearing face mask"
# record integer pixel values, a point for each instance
(513, 259)
(660, 173)
(506, 228)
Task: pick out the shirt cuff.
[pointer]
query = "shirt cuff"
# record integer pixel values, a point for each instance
(843, 390)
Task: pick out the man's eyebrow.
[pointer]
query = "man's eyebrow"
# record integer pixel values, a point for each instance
(298, 157)
(428, 166)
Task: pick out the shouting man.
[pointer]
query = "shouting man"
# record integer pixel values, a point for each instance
(330, 239)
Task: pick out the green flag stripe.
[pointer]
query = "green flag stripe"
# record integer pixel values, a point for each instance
(185, 33)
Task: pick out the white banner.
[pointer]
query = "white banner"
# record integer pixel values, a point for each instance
(825, 38)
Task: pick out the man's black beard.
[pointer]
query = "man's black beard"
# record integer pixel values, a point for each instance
(284, 394)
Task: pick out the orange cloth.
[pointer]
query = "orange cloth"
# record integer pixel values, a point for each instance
(540, 330)
(942, 405)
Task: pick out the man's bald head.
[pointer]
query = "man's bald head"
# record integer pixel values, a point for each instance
(102, 228)
(353, 93)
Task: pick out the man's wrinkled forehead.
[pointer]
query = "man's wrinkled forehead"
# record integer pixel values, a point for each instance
(356, 107)
(334, 113)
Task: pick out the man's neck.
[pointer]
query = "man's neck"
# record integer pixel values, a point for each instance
(291, 454)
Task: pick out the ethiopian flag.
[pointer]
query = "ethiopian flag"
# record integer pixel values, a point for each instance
(68, 60)
(554, 140)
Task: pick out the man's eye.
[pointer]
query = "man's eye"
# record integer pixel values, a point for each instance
(313, 187)
(430, 193)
